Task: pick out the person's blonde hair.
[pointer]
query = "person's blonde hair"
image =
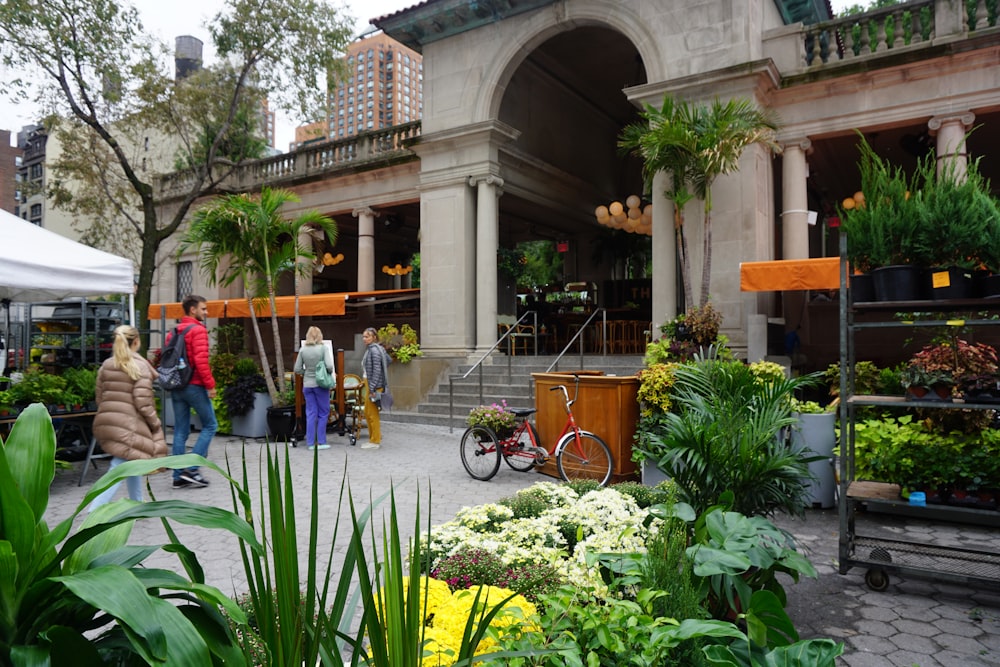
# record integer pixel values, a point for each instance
(125, 335)
(314, 336)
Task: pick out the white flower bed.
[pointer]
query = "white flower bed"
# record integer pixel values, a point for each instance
(605, 520)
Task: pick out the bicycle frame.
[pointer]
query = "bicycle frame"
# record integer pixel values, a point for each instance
(561, 442)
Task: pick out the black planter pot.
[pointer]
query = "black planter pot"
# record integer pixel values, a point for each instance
(950, 283)
(988, 286)
(281, 422)
(897, 283)
(862, 288)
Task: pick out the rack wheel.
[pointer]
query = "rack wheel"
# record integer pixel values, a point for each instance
(877, 579)
(354, 440)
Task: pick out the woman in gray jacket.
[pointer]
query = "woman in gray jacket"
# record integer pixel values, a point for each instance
(317, 398)
(126, 424)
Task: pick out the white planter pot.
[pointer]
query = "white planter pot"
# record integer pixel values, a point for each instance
(815, 433)
(651, 475)
(254, 423)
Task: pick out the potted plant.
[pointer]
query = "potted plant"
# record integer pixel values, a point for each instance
(883, 227)
(815, 435)
(37, 386)
(401, 343)
(980, 388)
(246, 400)
(495, 417)
(926, 384)
(81, 383)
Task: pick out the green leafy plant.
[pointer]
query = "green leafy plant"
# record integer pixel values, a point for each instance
(81, 382)
(401, 343)
(86, 597)
(707, 456)
(495, 416)
(882, 225)
(37, 386)
(230, 338)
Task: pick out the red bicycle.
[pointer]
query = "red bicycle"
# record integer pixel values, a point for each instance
(578, 454)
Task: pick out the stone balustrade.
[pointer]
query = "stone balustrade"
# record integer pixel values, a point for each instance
(909, 26)
(368, 149)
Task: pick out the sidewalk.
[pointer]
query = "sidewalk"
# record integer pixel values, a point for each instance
(914, 622)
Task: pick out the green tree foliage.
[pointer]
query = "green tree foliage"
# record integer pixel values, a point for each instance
(695, 144)
(107, 82)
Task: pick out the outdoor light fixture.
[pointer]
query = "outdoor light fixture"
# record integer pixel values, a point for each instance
(397, 270)
(629, 218)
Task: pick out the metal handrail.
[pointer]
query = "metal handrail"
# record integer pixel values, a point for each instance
(479, 364)
(579, 336)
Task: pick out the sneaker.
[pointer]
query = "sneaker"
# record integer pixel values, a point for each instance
(181, 483)
(370, 445)
(194, 478)
(323, 446)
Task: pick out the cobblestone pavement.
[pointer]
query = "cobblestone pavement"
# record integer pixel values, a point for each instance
(914, 622)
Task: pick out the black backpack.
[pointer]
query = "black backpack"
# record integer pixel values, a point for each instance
(174, 369)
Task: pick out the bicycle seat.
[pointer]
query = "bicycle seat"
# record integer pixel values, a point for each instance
(522, 412)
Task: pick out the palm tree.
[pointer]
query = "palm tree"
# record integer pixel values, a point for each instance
(247, 235)
(695, 144)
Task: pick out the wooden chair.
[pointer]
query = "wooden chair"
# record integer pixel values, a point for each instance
(523, 338)
(504, 324)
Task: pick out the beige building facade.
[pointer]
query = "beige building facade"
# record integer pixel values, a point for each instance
(523, 106)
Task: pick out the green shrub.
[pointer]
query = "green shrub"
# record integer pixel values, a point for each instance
(646, 496)
(245, 366)
(525, 504)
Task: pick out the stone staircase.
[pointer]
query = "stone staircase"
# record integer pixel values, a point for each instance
(515, 386)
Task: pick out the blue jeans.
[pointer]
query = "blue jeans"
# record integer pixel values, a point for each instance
(133, 483)
(192, 396)
(317, 414)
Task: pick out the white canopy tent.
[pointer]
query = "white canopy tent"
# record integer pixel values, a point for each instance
(39, 265)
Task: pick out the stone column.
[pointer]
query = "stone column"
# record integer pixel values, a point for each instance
(366, 248)
(488, 190)
(664, 246)
(950, 130)
(794, 217)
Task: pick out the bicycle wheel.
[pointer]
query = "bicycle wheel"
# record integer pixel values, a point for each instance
(590, 459)
(520, 455)
(480, 452)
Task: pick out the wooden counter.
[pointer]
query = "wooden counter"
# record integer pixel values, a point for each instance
(606, 406)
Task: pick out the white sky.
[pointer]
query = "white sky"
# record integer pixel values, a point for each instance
(168, 20)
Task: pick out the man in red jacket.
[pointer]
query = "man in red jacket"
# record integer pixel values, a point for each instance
(197, 394)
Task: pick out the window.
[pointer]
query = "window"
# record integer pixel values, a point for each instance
(36, 211)
(36, 171)
(185, 279)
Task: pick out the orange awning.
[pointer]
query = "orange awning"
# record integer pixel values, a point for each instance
(216, 308)
(310, 305)
(821, 273)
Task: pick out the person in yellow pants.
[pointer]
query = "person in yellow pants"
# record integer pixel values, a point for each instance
(375, 368)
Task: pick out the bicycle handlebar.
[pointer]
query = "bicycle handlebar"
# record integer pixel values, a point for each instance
(569, 403)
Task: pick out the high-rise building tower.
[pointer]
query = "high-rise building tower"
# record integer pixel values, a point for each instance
(383, 86)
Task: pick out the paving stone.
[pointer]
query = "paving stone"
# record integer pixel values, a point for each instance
(867, 644)
(967, 628)
(917, 628)
(876, 628)
(879, 614)
(911, 659)
(915, 643)
(957, 644)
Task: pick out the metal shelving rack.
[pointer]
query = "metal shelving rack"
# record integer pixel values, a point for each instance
(86, 334)
(881, 554)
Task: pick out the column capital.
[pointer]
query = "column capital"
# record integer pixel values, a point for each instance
(802, 143)
(364, 210)
(966, 118)
(488, 179)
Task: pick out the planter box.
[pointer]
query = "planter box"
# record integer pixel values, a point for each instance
(651, 475)
(254, 423)
(168, 414)
(815, 433)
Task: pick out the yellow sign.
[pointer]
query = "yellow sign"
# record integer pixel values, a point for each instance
(940, 279)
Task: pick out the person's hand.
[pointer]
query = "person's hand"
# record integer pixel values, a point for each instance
(211, 392)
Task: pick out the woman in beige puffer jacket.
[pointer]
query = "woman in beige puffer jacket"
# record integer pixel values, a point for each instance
(126, 425)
